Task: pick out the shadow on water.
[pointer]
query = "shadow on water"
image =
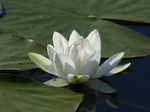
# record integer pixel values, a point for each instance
(89, 102)
(2, 11)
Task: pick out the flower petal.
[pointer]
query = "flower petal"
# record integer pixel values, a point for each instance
(77, 55)
(91, 64)
(76, 79)
(73, 37)
(67, 50)
(118, 69)
(57, 82)
(108, 65)
(92, 33)
(94, 40)
(87, 47)
(42, 62)
(51, 50)
(80, 40)
(100, 86)
(59, 42)
(63, 65)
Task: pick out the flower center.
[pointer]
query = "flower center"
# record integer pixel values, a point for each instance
(76, 79)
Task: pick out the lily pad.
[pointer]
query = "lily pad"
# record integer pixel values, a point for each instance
(14, 52)
(38, 20)
(0, 8)
(20, 94)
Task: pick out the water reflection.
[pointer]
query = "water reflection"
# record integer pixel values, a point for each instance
(89, 102)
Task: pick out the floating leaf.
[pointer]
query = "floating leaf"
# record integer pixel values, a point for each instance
(38, 19)
(25, 95)
(0, 8)
(14, 52)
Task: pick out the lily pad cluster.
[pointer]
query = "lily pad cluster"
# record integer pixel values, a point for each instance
(37, 20)
(27, 26)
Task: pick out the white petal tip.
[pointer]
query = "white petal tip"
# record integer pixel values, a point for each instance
(129, 64)
(95, 31)
(49, 45)
(118, 69)
(55, 34)
(116, 58)
(122, 54)
(126, 65)
(74, 31)
(31, 55)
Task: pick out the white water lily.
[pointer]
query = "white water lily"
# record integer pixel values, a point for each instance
(77, 60)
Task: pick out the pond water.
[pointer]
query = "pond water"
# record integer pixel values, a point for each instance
(132, 90)
(132, 86)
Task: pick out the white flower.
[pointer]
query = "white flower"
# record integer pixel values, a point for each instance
(77, 60)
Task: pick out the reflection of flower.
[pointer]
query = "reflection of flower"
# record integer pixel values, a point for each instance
(77, 60)
(91, 98)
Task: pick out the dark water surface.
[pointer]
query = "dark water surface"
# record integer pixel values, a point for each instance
(133, 88)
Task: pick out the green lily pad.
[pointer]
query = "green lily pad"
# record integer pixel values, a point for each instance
(20, 94)
(14, 52)
(0, 8)
(36, 19)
